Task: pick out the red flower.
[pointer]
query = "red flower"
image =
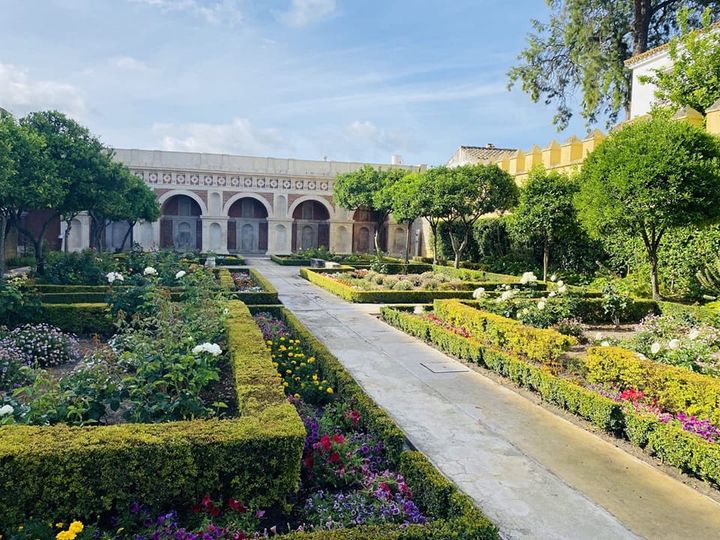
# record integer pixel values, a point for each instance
(195, 508)
(324, 443)
(334, 457)
(214, 511)
(237, 505)
(206, 501)
(339, 439)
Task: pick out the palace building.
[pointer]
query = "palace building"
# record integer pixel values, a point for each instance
(249, 205)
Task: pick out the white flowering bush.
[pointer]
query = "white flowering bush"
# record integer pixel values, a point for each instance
(112, 277)
(528, 277)
(41, 345)
(181, 274)
(479, 293)
(150, 271)
(211, 348)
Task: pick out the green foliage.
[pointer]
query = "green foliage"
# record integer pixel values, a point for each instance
(84, 472)
(85, 267)
(648, 177)
(693, 79)
(545, 215)
(709, 277)
(18, 303)
(268, 295)
(81, 319)
(583, 48)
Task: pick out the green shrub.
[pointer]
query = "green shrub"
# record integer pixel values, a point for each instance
(59, 471)
(541, 345)
(82, 319)
(268, 295)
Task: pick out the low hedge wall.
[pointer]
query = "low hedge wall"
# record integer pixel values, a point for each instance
(58, 471)
(675, 388)
(83, 319)
(377, 297)
(289, 260)
(541, 345)
(454, 514)
(477, 275)
(601, 411)
(666, 441)
(268, 295)
(394, 268)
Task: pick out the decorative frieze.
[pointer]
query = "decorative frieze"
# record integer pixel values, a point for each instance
(156, 178)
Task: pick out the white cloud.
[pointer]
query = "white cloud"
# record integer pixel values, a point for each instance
(305, 12)
(236, 137)
(213, 11)
(366, 136)
(129, 63)
(20, 94)
(362, 129)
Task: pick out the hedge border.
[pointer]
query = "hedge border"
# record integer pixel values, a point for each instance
(60, 471)
(454, 513)
(666, 441)
(81, 318)
(377, 297)
(268, 295)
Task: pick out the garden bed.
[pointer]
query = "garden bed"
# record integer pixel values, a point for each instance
(248, 285)
(673, 413)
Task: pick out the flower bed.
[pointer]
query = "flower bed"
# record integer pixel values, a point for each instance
(248, 285)
(672, 413)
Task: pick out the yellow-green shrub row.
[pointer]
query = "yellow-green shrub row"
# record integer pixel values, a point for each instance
(376, 297)
(498, 332)
(677, 389)
(59, 471)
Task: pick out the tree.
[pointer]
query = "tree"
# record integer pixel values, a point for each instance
(545, 213)
(406, 203)
(648, 177)
(694, 78)
(368, 188)
(467, 192)
(32, 183)
(140, 204)
(583, 48)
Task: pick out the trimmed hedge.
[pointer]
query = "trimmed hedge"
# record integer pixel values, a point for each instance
(268, 295)
(675, 388)
(289, 260)
(477, 275)
(377, 297)
(541, 345)
(601, 411)
(92, 318)
(59, 471)
(455, 516)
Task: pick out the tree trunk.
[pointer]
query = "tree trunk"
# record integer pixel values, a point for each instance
(642, 14)
(434, 229)
(407, 242)
(127, 235)
(36, 242)
(458, 247)
(66, 235)
(546, 259)
(654, 281)
(3, 232)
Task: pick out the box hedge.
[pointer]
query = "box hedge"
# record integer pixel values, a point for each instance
(541, 345)
(268, 295)
(376, 297)
(83, 472)
(83, 319)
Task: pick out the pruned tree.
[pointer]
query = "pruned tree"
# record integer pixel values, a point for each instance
(648, 177)
(545, 213)
(140, 205)
(468, 192)
(582, 48)
(407, 204)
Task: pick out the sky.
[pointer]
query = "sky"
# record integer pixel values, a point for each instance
(355, 80)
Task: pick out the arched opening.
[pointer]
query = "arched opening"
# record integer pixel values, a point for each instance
(247, 227)
(364, 225)
(180, 224)
(311, 226)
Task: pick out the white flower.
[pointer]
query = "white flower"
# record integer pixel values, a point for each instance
(525, 311)
(694, 334)
(212, 348)
(419, 310)
(552, 294)
(149, 271)
(541, 305)
(562, 289)
(506, 287)
(560, 283)
(179, 275)
(114, 276)
(507, 295)
(226, 311)
(598, 336)
(527, 277)
(605, 343)
(553, 277)
(673, 344)
(655, 347)
(6, 410)
(478, 293)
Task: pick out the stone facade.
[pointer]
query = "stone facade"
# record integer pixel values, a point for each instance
(251, 205)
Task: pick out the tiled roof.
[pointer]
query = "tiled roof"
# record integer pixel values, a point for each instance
(488, 153)
(660, 48)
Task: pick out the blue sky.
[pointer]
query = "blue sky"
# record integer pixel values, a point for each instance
(347, 79)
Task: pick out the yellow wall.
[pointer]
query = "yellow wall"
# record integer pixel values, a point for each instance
(568, 156)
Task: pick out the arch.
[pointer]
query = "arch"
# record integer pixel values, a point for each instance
(162, 199)
(239, 196)
(310, 211)
(297, 202)
(256, 210)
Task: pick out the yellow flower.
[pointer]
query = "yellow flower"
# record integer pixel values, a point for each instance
(66, 535)
(60, 525)
(315, 377)
(121, 529)
(76, 527)
(329, 390)
(290, 354)
(297, 396)
(269, 342)
(311, 360)
(289, 371)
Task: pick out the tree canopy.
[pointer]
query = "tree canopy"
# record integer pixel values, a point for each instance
(545, 213)
(652, 175)
(581, 49)
(693, 80)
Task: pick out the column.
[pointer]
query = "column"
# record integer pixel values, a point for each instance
(280, 236)
(341, 236)
(214, 234)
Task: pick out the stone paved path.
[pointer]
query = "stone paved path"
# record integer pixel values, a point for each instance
(536, 475)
